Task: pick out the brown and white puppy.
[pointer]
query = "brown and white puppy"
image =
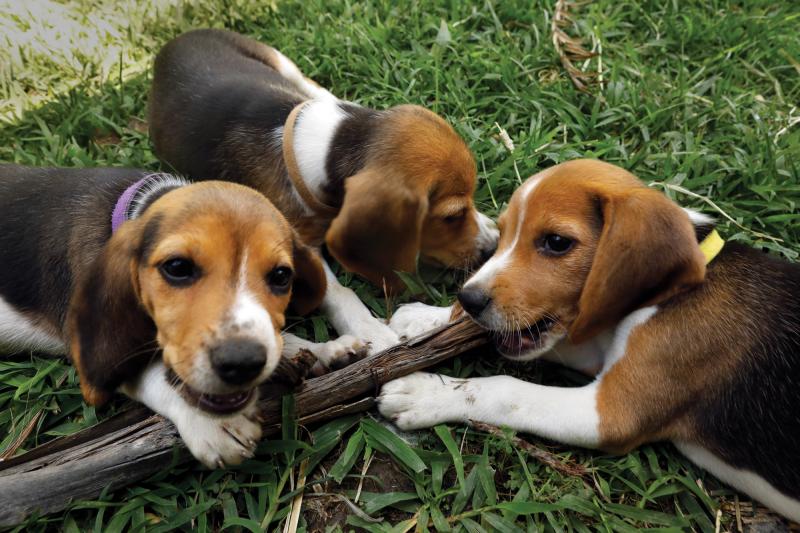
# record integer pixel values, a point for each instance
(379, 188)
(598, 272)
(181, 307)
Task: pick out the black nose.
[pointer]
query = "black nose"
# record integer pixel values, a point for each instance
(486, 253)
(473, 300)
(238, 361)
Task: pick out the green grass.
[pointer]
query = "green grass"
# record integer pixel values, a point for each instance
(699, 96)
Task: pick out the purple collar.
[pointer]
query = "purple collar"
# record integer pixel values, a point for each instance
(121, 209)
(136, 197)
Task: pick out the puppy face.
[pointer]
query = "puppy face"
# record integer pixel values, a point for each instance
(412, 200)
(454, 233)
(212, 266)
(582, 244)
(213, 278)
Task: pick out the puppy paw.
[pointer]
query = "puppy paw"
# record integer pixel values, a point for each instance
(377, 335)
(218, 442)
(421, 400)
(414, 319)
(338, 353)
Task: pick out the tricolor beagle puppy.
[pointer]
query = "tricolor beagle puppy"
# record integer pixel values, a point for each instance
(379, 188)
(173, 293)
(689, 341)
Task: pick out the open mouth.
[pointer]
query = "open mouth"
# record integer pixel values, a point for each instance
(515, 343)
(218, 404)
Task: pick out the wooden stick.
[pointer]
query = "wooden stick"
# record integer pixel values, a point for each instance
(135, 444)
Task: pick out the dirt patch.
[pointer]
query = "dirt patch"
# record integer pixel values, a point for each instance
(323, 509)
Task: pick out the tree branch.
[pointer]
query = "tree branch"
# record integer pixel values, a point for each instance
(135, 444)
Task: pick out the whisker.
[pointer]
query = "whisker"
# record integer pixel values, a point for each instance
(138, 352)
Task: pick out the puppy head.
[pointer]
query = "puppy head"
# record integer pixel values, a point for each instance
(412, 199)
(205, 274)
(582, 245)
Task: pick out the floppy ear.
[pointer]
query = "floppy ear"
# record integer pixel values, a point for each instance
(647, 252)
(379, 228)
(108, 328)
(310, 284)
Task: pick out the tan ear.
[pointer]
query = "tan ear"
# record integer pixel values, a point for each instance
(310, 284)
(111, 335)
(647, 252)
(379, 228)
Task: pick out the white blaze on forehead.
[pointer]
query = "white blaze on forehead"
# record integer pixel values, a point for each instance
(249, 318)
(246, 310)
(499, 261)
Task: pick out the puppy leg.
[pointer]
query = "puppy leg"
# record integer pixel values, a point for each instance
(414, 319)
(350, 316)
(565, 414)
(331, 355)
(215, 441)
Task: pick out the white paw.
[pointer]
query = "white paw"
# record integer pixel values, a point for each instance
(381, 338)
(414, 319)
(372, 331)
(337, 353)
(221, 441)
(349, 316)
(422, 400)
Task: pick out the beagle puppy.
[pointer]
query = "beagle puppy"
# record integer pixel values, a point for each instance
(173, 293)
(381, 188)
(690, 339)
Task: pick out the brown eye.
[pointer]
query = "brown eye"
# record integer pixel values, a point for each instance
(179, 271)
(458, 217)
(555, 245)
(280, 278)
